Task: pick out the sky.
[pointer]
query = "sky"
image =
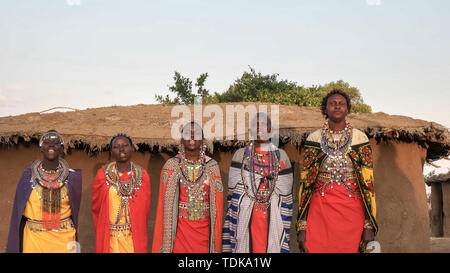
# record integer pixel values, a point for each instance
(94, 53)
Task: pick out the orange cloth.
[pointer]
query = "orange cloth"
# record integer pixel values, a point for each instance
(123, 243)
(49, 241)
(192, 236)
(335, 221)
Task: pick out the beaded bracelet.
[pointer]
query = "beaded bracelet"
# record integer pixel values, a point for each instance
(302, 225)
(367, 225)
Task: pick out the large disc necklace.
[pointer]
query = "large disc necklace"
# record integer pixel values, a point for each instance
(336, 148)
(192, 178)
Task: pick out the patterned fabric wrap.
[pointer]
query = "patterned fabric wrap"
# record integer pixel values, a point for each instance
(168, 205)
(236, 231)
(361, 157)
(23, 191)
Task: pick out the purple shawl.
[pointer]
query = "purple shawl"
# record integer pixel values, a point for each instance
(23, 192)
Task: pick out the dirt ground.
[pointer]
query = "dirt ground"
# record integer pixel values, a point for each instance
(439, 245)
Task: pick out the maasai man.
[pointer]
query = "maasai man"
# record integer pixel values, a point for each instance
(337, 199)
(259, 195)
(45, 213)
(190, 204)
(121, 202)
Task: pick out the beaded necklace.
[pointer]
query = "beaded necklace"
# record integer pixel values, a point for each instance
(255, 165)
(330, 146)
(50, 187)
(192, 178)
(336, 145)
(125, 189)
(48, 182)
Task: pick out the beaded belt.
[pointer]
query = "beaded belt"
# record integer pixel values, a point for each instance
(115, 230)
(349, 182)
(193, 211)
(345, 175)
(38, 226)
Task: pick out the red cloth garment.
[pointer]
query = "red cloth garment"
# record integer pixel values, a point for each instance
(259, 229)
(192, 236)
(335, 221)
(139, 206)
(165, 232)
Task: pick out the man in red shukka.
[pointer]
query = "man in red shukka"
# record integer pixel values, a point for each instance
(337, 207)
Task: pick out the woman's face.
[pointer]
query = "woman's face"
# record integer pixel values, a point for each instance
(337, 108)
(121, 149)
(51, 148)
(192, 139)
(261, 129)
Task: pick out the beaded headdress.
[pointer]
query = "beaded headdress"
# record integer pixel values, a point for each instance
(52, 134)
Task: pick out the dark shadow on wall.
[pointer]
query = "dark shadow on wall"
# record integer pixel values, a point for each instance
(154, 167)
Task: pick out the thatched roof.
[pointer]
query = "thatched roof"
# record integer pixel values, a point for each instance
(150, 126)
(439, 178)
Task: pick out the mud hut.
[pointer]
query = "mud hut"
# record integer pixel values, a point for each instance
(440, 204)
(400, 145)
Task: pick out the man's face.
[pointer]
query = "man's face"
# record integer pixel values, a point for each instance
(337, 108)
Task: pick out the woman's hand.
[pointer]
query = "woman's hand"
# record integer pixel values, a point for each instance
(301, 238)
(368, 235)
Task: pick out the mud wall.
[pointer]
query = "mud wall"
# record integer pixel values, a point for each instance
(436, 210)
(399, 186)
(402, 212)
(446, 209)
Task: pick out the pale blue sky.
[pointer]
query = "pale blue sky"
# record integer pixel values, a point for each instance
(93, 53)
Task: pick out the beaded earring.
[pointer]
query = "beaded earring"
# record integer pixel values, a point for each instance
(203, 150)
(181, 150)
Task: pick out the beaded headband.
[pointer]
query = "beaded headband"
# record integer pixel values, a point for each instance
(50, 135)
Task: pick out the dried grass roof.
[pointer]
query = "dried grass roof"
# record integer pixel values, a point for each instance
(151, 125)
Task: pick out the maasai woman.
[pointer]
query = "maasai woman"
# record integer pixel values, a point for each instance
(190, 204)
(337, 200)
(259, 195)
(46, 205)
(121, 202)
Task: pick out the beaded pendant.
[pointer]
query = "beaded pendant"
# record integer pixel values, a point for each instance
(192, 177)
(124, 188)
